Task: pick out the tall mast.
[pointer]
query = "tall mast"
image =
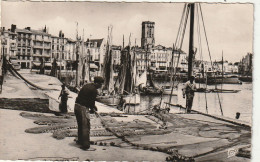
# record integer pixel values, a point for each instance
(191, 52)
(77, 54)
(222, 69)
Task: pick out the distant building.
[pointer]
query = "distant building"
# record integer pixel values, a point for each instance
(147, 38)
(116, 54)
(22, 41)
(161, 59)
(5, 43)
(246, 65)
(70, 49)
(143, 60)
(41, 47)
(58, 50)
(96, 50)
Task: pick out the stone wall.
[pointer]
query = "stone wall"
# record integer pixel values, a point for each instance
(25, 104)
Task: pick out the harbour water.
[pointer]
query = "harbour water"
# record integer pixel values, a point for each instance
(231, 103)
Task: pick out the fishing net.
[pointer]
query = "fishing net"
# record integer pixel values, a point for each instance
(145, 132)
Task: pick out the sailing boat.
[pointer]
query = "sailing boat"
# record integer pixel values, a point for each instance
(109, 95)
(150, 88)
(217, 76)
(217, 79)
(126, 82)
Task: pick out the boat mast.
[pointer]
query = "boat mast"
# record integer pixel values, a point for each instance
(222, 70)
(191, 52)
(77, 54)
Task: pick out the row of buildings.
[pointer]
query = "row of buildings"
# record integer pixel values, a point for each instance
(29, 47)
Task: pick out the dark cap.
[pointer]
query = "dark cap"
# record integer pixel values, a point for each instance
(192, 77)
(98, 79)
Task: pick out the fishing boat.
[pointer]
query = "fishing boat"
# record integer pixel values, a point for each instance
(245, 78)
(127, 77)
(150, 88)
(216, 78)
(167, 90)
(109, 96)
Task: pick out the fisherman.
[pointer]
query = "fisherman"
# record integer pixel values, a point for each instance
(188, 90)
(64, 93)
(85, 105)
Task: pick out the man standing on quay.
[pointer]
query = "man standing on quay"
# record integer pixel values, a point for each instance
(188, 90)
(64, 98)
(84, 105)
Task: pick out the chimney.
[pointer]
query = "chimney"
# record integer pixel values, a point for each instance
(13, 27)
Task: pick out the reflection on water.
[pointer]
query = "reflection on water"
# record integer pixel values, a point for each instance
(231, 103)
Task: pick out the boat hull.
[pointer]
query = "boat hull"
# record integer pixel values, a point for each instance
(109, 100)
(151, 91)
(132, 99)
(245, 79)
(219, 80)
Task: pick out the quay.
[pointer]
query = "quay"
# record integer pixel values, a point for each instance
(31, 130)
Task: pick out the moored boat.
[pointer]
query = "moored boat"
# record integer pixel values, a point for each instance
(167, 90)
(132, 99)
(110, 100)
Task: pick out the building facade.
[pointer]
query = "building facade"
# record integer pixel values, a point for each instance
(20, 46)
(246, 65)
(59, 50)
(143, 60)
(96, 50)
(41, 48)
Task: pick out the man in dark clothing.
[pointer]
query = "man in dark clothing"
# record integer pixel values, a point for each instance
(84, 105)
(188, 90)
(64, 98)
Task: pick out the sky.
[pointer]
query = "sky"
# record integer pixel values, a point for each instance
(229, 27)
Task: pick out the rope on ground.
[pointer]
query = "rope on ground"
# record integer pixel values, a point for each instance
(53, 158)
(246, 126)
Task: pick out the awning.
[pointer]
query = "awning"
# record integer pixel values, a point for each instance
(47, 64)
(36, 63)
(93, 66)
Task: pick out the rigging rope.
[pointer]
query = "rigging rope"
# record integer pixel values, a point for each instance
(181, 32)
(210, 55)
(200, 51)
(180, 25)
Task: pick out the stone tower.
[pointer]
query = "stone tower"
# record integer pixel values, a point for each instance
(147, 34)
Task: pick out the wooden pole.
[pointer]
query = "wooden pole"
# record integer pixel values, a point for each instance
(191, 52)
(77, 54)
